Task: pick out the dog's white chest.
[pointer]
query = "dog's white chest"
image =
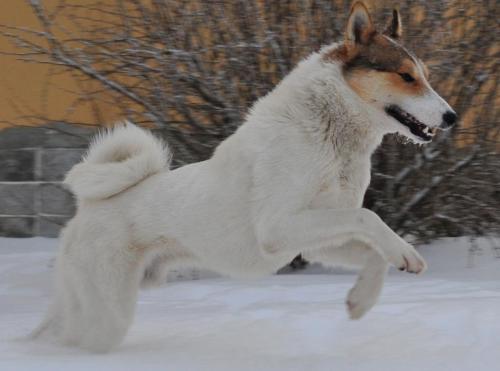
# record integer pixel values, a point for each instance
(345, 188)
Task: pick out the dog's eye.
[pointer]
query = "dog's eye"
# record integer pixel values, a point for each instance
(407, 77)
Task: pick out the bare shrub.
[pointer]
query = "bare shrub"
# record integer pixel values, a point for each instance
(193, 68)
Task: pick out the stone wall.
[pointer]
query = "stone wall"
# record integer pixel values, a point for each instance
(33, 162)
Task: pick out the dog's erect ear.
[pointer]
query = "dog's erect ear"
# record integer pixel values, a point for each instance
(394, 29)
(359, 26)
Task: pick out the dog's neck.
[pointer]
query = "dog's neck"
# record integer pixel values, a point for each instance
(316, 97)
(347, 127)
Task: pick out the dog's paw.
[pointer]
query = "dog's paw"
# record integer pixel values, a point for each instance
(406, 258)
(357, 309)
(412, 262)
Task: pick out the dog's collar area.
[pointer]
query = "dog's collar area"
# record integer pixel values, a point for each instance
(416, 127)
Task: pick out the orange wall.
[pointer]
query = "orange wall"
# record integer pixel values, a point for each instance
(29, 88)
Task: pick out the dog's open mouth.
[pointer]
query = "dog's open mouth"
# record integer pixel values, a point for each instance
(416, 127)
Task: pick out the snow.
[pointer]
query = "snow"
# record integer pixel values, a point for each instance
(447, 319)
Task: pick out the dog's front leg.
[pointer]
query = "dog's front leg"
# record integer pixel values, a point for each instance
(365, 293)
(309, 230)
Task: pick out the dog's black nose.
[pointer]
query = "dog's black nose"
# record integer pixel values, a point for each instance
(449, 119)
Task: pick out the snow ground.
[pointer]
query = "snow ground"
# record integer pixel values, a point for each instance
(447, 319)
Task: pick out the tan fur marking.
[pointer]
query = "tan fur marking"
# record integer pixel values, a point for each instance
(415, 88)
(394, 28)
(340, 54)
(375, 64)
(368, 84)
(357, 80)
(359, 25)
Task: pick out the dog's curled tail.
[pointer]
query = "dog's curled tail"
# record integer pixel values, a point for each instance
(117, 159)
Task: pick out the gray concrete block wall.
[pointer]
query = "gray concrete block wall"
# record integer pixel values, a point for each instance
(17, 165)
(17, 198)
(33, 162)
(55, 163)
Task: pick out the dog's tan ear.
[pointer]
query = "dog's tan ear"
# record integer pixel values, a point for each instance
(394, 29)
(360, 27)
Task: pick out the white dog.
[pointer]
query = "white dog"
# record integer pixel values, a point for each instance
(290, 181)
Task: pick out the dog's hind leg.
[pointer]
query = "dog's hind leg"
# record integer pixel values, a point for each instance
(98, 286)
(109, 301)
(63, 318)
(64, 322)
(366, 291)
(166, 255)
(156, 272)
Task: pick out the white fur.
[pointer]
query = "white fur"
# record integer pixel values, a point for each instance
(117, 159)
(290, 180)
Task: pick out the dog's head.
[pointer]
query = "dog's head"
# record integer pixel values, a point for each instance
(389, 78)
